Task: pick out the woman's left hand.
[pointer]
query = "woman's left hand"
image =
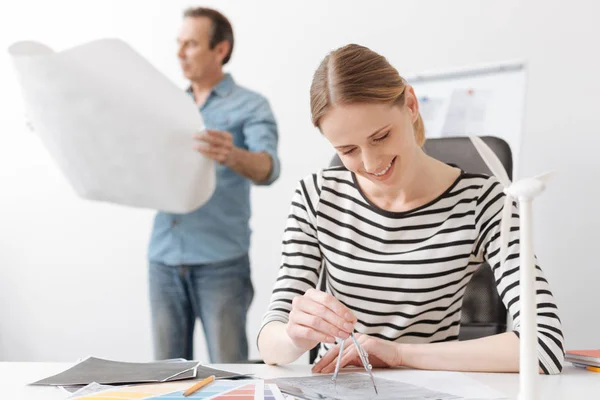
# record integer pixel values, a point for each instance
(382, 353)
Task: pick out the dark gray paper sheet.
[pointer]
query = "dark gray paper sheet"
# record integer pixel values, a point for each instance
(110, 372)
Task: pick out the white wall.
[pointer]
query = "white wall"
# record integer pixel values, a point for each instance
(73, 273)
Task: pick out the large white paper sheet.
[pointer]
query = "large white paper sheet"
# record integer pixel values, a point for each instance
(118, 129)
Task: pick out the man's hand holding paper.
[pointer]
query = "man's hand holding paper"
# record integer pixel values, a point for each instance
(216, 145)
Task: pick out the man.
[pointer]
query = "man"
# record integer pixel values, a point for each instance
(199, 265)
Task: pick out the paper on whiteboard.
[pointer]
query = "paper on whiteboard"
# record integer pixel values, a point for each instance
(466, 113)
(118, 129)
(431, 110)
(430, 107)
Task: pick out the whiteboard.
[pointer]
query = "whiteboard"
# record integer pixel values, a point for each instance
(485, 100)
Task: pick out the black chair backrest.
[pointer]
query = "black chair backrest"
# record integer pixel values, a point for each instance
(482, 311)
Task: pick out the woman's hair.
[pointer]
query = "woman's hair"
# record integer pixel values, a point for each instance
(355, 74)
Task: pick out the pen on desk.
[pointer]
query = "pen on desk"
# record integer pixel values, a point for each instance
(198, 385)
(593, 369)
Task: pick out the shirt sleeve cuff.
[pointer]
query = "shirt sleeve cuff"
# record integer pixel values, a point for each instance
(275, 169)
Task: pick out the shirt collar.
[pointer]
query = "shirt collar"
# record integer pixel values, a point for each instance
(223, 88)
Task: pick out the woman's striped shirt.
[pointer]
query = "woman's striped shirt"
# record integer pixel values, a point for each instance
(403, 274)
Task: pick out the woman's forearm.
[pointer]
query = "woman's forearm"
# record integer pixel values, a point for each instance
(497, 353)
(275, 346)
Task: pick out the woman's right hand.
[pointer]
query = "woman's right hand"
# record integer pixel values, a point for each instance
(318, 317)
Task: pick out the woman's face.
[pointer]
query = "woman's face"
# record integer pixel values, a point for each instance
(375, 141)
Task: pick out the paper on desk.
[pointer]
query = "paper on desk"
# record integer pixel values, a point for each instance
(219, 390)
(136, 392)
(96, 387)
(456, 383)
(78, 391)
(355, 386)
(117, 372)
(118, 129)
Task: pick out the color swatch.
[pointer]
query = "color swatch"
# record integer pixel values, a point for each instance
(218, 390)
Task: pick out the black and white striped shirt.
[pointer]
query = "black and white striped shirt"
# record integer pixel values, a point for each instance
(403, 274)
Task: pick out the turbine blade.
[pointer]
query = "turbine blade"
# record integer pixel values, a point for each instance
(491, 160)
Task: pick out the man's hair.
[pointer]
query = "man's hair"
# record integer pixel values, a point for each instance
(220, 30)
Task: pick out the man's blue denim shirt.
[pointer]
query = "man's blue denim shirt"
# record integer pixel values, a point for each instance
(219, 230)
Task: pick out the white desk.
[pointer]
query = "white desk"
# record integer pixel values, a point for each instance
(573, 383)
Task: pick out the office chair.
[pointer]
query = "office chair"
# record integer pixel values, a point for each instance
(483, 313)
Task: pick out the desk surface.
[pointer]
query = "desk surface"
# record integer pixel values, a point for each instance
(573, 383)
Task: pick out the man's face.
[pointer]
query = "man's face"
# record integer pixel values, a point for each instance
(197, 60)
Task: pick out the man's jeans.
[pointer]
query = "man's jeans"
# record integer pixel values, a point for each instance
(217, 293)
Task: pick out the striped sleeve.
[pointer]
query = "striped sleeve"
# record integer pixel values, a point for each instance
(301, 256)
(488, 215)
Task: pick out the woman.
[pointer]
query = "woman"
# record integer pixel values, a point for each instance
(398, 235)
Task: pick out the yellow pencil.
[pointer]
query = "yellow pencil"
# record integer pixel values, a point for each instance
(198, 385)
(594, 369)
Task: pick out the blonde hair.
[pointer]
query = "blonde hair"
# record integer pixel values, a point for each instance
(355, 74)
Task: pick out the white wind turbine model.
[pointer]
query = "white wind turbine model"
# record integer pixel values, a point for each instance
(525, 191)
